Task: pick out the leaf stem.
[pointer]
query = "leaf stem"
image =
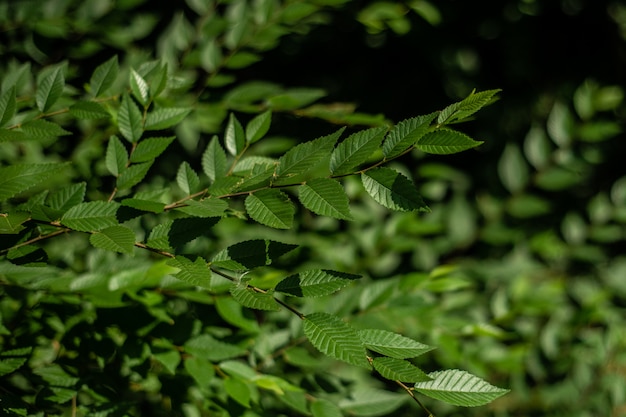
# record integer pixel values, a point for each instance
(35, 239)
(410, 392)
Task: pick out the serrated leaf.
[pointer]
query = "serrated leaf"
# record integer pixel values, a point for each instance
(7, 106)
(116, 156)
(295, 98)
(38, 129)
(208, 207)
(214, 160)
(193, 270)
(459, 388)
(175, 233)
(335, 338)
(207, 347)
(8, 365)
(87, 110)
(234, 137)
(372, 403)
(463, 109)
(50, 89)
(326, 197)
(355, 150)
(250, 298)
(144, 205)
(405, 134)
(129, 119)
(132, 175)
(15, 179)
(12, 135)
(165, 117)
(11, 223)
(251, 254)
(315, 283)
(259, 176)
(399, 370)
(104, 76)
(187, 178)
(115, 238)
(271, 207)
(258, 126)
(67, 197)
(149, 149)
(139, 87)
(393, 190)
(304, 156)
(392, 344)
(91, 216)
(445, 142)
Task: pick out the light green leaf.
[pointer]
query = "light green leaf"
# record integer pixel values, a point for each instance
(214, 160)
(193, 270)
(187, 178)
(445, 142)
(324, 408)
(304, 156)
(11, 223)
(15, 179)
(7, 106)
(238, 390)
(208, 207)
(129, 119)
(211, 55)
(115, 238)
(165, 117)
(200, 369)
(8, 365)
(169, 360)
(258, 126)
(49, 89)
(399, 370)
(250, 298)
(67, 197)
(232, 312)
(39, 129)
(456, 112)
(459, 388)
(149, 149)
(392, 344)
(355, 150)
(87, 110)
(393, 190)
(315, 283)
(372, 403)
(116, 157)
(513, 169)
(133, 175)
(271, 207)
(404, 135)
(335, 338)
(139, 87)
(235, 137)
(251, 254)
(207, 347)
(326, 197)
(91, 216)
(241, 59)
(104, 76)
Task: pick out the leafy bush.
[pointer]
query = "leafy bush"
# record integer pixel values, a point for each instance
(152, 268)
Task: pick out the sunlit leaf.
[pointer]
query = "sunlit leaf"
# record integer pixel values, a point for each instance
(445, 142)
(116, 156)
(165, 117)
(399, 370)
(115, 238)
(139, 87)
(355, 150)
(193, 270)
(258, 126)
(104, 76)
(326, 197)
(235, 137)
(49, 89)
(250, 298)
(405, 134)
(393, 190)
(468, 106)
(129, 119)
(392, 344)
(187, 178)
(271, 207)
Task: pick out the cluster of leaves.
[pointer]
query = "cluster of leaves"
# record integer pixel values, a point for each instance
(137, 206)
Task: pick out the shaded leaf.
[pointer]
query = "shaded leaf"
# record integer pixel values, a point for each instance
(355, 150)
(115, 238)
(258, 126)
(259, 176)
(200, 369)
(513, 169)
(214, 160)
(129, 119)
(315, 283)
(393, 190)
(251, 254)
(271, 207)
(49, 89)
(193, 270)
(104, 76)
(250, 298)
(175, 233)
(7, 106)
(15, 179)
(91, 216)
(392, 344)
(150, 148)
(187, 178)
(445, 142)
(295, 98)
(324, 408)
(372, 402)
(165, 117)
(87, 110)
(116, 156)
(144, 205)
(38, 129)
(326, 197)
(399, 370)
(405, 134)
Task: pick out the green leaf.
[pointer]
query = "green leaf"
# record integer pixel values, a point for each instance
(11, 223)
(459, 388)
(176, 233)
(115, 238)
(271, 207)
(259, 176)
(315, 283)
(104, 76)
(149, 149)
(250, 298)
(214, 160)
(235, 138)
(165, 117)
(91, 216)
(8, 365)
(295, 98)
(187, 178)
(116, 157)
(39, 129)
(392, 344)
(15, 179)
(393, 190)
(87, 110)
(12, 135)
(169, 360)
(355, 150)
(139, 87)
(238, 390)
(129, 119)
(372, 402)
(456, 112)
(445, 142)
(207, 347)
(144, 205)
(513, 169)
(304, 156)
(251, 254)
(326, 197)
(208, 207)
(232, 312)
(49, 89)
(335, 338)
(324, 408)
(67, 197)
(200, 369)
(404, 135)
(133, 175)
(399, 370)
(7, 106)
(258, 126)
(193, 270)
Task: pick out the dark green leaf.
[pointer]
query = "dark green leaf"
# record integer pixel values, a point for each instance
(209, 207)
(404, 135)
(7, 106)
(392, 344)
(315, 283)
(11, 223)
(88, 110)
(38, 129)
(250, 298)
(326, 197)
(271, 207)
(67, 197)
(463, 109)
(115, 238)
(116, 157)
(165, 117)
(445, 142)
(91, 216)
(399, 370)
(251, 254)
(214, 160)
(133, 175)
(187, 178)
(235, 137)
(17, 178)
(295, 98)
(260, 176)
(176, 233)
(149, 149)
(392, 190)
(144, 205)
(49, 89)
(104, 76)
(355, 150)
(258, 126)
(129, 119)
(193, 270)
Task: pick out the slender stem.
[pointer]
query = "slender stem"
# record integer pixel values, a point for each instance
(35, 239)
(160, 252)
(180, 203)
(410, 392)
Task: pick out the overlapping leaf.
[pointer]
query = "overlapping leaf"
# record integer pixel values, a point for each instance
(392, 344)
(445, 142)
(115, 238)
(393, 190)
(271, 207)
(15, 179)
(193, 270)
(175, 233)
(251, 254)
(67, 196)
(104, 76)
(355, 150)
(405, 134)
(116, 157)
(326, 197)
(129, 119)
(165, 117)
(39, 129)
(399, 370)
(91, 216)
(133, 175)
(187, 178)
(463, 109)
(250, 298)
(315, 283)
(209, 207)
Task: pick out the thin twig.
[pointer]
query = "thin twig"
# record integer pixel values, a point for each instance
(410, 392)
(35, 239)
